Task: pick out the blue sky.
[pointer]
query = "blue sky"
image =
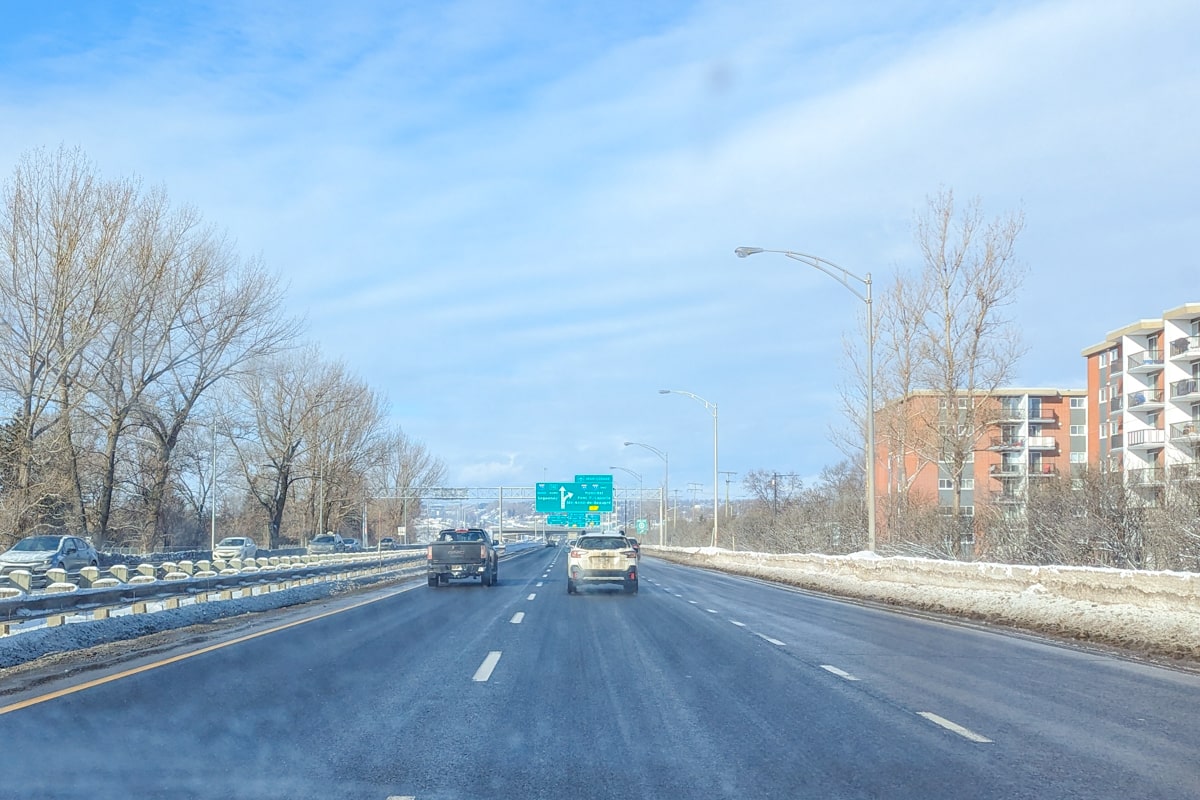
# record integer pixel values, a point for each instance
(516, 220)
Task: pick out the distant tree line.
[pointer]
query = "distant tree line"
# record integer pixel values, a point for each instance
(148, 371)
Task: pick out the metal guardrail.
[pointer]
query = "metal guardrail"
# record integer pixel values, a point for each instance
(123, 586)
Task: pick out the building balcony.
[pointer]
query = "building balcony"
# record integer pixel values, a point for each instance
(1146, 476)
(1007, 497)
(1145, 362)
(1146, 400)
(1186, 390)
(1145, 439)
(1042, 443)
(1186, 432)
(1186, 471)
(1043, 416)
(1043, 470)
(1010, 414)
(1186, 348)
(1006, 471)
(1007, 443)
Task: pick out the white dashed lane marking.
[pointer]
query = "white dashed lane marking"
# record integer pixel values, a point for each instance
(766, 638)
(485, 669)
(739, 624)
(517, 617)
(531, 596)
(955, 727)
(838, 672)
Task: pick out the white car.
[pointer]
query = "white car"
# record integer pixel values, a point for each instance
(602, 558)
(235, 547)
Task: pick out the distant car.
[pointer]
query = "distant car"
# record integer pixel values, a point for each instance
(387, 543)
(602, 558)
(39, 554)
(499, 545)
(235, 547)
(351, 545)
(326, 543)
(636, 546)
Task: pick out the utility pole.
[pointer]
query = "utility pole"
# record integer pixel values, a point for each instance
(728, 510)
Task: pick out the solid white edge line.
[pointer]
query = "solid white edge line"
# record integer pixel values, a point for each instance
(517, 617)
(766, 638)
(485, 669)
(838, 672)
(954, 727)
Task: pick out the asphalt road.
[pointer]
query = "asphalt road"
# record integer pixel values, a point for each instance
(701, 686)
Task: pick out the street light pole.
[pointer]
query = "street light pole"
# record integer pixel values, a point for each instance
(662, 497)
(716, 492)
(844, 276)
(639, 480)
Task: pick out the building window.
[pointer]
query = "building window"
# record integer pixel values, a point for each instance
(1077, 402)
(942, 403)
(1103, 394)
(945, 483)
(1078, 458)
(962, 402)
(968, 484)
(1103, 359)
(1079, 430)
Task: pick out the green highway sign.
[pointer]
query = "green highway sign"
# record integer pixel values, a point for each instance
(573, 520)
(574, 497)
(642, 526)
(594, 479)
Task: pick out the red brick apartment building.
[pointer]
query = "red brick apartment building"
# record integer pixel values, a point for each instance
(1143, 400)
(1020, 436)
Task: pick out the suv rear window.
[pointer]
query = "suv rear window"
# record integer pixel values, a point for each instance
(602, 543)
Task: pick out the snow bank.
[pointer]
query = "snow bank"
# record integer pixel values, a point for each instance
(1153, 613)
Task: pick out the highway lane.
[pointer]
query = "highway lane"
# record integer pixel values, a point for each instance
(703, 685)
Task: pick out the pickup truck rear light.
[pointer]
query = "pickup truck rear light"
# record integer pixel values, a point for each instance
(429, 553)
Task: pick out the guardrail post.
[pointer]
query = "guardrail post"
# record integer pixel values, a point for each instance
(120, 572)
(149, 570)
(187, 567)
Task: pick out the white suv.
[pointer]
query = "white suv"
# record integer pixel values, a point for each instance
(602, 558)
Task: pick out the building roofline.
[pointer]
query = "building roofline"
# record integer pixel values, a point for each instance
(1185, 310)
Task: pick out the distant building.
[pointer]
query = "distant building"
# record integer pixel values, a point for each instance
(1017, 436)
(1144, 402)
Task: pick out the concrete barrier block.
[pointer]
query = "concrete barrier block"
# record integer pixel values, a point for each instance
(101, 613)
(219, 565)
(106, 583)
(147, 569)
(22, 579)
(61, 587)
(141, 579)
(187, 567)
(56, 621)
(10, 591)
(204, 565)
(176, 575)
(120, 572)
(171, 602)
(205, 573)
(88, 577)
(139, 608)
(56, 575)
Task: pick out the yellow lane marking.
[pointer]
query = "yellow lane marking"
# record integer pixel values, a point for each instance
(45, 698)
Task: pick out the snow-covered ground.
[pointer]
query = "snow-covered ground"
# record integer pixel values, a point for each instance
(1151, 614)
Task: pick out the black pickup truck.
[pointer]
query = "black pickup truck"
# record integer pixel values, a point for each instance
(462, 553)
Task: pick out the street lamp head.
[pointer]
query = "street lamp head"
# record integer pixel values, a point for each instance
(742, 252)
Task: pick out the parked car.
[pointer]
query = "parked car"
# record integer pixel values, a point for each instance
(326, 543)
(38, 554)
(235, 547)
(602, 558)
(351, 545)
(387, 543)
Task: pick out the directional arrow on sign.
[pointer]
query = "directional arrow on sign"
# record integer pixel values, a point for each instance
(564, 496)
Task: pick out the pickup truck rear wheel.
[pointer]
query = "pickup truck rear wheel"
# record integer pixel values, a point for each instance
(486, 578)
(433, 581)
